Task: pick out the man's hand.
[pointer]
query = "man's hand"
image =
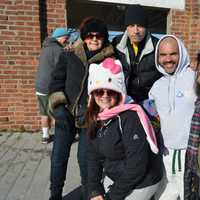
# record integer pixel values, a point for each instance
(193, 65)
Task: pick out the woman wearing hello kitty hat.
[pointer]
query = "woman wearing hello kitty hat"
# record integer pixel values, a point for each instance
(122, 144)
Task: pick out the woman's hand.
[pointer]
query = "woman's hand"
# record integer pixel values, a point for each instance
(100, 197)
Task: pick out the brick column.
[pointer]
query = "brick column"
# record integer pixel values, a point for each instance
(186, 25)
(20, 42)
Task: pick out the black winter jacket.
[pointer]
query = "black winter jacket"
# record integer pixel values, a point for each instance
(140, 72)
(49, 57)
(69, 80)
(125, 157)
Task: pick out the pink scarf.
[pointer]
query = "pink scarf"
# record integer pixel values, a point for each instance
(151, 137)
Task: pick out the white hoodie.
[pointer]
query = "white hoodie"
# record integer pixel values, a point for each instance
(174, 97)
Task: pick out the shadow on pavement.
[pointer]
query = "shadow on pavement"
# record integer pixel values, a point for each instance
(74, 194)
(51, 138)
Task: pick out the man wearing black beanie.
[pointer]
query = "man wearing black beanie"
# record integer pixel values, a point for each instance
(135, 49)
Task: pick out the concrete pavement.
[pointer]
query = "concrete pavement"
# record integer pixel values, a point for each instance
(25, 167)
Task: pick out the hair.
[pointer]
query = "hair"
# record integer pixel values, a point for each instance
(197, 89)
(93, 24)
(197, 85)
(92, 115)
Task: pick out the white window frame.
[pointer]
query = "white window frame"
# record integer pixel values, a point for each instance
(172, 4)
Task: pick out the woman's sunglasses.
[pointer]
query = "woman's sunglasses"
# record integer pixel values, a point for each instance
(92, 35)
(101, 92)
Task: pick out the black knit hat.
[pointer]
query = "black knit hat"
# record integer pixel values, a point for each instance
(92, 24)
(135, 14)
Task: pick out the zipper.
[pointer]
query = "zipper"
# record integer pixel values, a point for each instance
(138, 71)
(101, 131)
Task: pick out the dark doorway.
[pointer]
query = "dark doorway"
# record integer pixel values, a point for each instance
(43, 20)
(112, 14)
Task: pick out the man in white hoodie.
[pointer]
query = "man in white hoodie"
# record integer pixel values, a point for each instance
(174, 97)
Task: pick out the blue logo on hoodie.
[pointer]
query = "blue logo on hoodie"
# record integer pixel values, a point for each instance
(179, 94)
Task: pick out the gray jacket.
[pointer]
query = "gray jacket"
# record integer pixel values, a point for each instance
(49, 56)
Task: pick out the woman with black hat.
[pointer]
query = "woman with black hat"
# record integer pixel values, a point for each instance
(93, 47)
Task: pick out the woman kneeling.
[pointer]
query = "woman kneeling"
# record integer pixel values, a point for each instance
(123, 158)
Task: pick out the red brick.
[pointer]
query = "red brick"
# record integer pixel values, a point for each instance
(3, 17)
(20, 48)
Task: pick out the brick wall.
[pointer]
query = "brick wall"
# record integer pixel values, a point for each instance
(21, 33)
(186, 25)
(23, 26)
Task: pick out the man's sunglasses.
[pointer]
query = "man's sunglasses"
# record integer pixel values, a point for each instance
(92, 35)
(101, 92)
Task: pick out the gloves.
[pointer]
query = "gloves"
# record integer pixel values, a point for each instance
(55, 99)
(58, 107)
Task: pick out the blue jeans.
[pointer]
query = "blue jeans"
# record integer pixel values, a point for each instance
(65, 132)
(64, 136)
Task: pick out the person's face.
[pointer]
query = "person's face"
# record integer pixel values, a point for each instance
(136, 33)
(94, 41)
(168, 55)
(63, 40)
(105, 98)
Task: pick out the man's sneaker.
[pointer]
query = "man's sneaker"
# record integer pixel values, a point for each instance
(45, 140)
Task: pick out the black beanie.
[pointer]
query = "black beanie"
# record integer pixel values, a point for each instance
(92, 24)
(135, 14)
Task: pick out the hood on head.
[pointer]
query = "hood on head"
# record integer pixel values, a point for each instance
(183, 56)
(107, 75)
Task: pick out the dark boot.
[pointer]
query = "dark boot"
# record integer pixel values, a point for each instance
(56, 197)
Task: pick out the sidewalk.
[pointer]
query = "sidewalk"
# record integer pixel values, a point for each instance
(25, 167)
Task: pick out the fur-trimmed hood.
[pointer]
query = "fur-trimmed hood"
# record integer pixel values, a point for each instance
(107, 51)
(122, 46)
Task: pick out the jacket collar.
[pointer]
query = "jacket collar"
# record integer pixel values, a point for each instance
(122, 46)
(80, 52)
(104, 53)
